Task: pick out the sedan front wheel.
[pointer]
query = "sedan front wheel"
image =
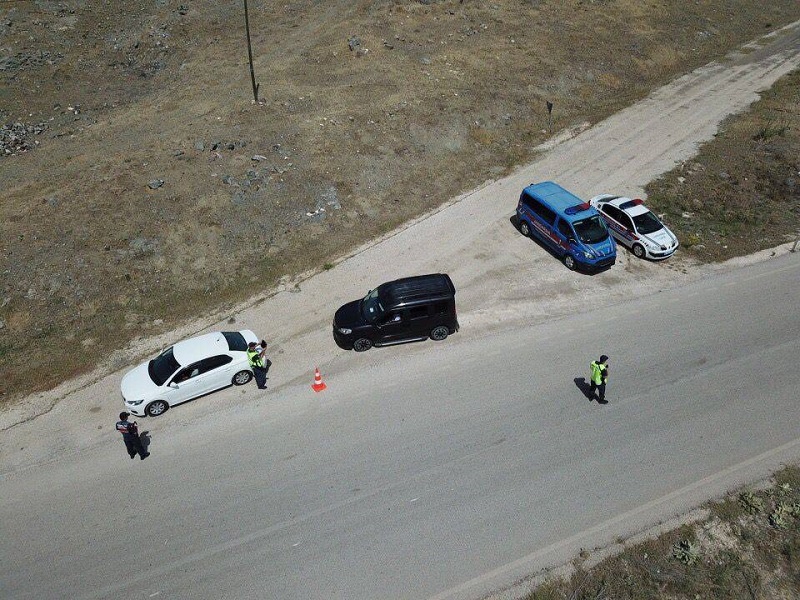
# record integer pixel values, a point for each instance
(156, 408)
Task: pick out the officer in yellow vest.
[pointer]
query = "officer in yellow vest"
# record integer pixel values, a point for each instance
(255, 356)
(599, 377)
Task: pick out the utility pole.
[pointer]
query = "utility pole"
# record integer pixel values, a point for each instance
(250, 54)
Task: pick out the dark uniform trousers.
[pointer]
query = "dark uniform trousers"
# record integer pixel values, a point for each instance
(133, 443)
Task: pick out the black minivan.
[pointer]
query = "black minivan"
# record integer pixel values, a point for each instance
(404, 310)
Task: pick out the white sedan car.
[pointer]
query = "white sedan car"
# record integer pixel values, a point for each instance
(634, 226)
(187, 370)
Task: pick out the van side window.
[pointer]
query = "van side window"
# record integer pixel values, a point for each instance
(564, 229)
(418, 312)
(440, 308)
(540, 209)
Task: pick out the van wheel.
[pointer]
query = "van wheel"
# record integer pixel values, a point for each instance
(638, 251)
(439, 333)
(525, 229)
(362, 345)
(569, 262)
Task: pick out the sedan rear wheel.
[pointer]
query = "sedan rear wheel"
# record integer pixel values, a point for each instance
(525, 229)
(242, 377)
(362, 345)
(156, 408)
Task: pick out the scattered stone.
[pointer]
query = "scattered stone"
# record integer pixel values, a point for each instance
(183, 9)
(155, 184)
(687, 215)
(142, 246)
(199, 146)
(259, 157)
(354, 43)
(158, 322)
(177, 153)
(2, 324)
(681, 179)
(16, 138)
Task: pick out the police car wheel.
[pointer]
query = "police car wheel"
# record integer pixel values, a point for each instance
(439, 333)
(569, 262)
(242, 377)
(159, 407)
(362, 345)
(524, 229)
(638, 251)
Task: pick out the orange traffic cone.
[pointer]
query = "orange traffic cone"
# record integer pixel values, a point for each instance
(318, 384)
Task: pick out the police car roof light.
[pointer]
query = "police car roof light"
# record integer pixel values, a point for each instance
(574, 210)
(631, 203)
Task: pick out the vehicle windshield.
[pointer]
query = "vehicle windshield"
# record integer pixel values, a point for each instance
(647, 223)
(591, 230)
(371, 306)
(162, 367)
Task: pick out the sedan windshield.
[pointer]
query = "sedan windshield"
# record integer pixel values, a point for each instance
(371, 306)
(647, 223)
(591, 230)
(162, 366)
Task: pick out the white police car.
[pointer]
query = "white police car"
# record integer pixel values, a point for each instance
(634, 226)
(188, 369)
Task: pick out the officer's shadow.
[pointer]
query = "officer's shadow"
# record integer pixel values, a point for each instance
(584, 387)
(144, 436)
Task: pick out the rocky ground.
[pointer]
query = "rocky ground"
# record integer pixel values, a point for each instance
(142, 183)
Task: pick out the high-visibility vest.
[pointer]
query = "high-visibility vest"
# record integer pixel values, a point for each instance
(254, 359)
(597, 372)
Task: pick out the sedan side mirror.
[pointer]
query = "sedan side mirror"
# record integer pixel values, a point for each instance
(173, 385)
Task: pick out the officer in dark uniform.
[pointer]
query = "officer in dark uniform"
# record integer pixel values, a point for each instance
(130, 435)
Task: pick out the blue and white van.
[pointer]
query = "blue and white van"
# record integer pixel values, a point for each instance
(570, 227)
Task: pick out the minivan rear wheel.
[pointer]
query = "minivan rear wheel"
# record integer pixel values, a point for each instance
(439, 333)
(569, 262)
(362, 345)
(525, 229)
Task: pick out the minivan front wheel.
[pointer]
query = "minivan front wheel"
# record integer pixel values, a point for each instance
(569, 262)
(439, 333)
(362, 345)
(525, 229)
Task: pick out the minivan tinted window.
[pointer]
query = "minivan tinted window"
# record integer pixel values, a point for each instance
(591, 230)
(540, 209)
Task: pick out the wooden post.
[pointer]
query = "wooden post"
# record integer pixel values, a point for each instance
(250, 54)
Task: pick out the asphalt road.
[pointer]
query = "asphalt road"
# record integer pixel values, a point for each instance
(444, 471)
